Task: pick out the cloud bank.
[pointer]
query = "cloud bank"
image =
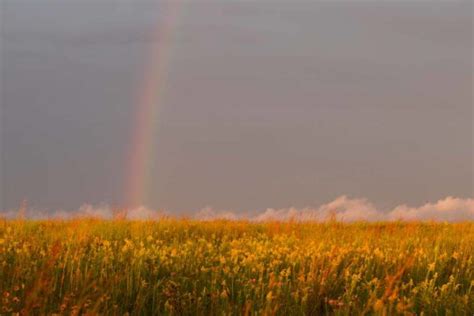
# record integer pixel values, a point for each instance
(348, 209)
(343, 209)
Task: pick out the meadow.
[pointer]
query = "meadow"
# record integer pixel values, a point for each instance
(185, 267)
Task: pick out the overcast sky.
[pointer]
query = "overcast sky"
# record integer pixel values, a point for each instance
(267, 103)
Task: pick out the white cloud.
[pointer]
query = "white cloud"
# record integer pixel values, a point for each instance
(106, 212)
(342, 208)
(208, 213)
(348, 209)
(101, 211)
(449, 209)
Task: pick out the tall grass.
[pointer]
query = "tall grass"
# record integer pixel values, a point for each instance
(224, 267)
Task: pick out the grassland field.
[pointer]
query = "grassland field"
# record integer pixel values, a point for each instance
(185, 267)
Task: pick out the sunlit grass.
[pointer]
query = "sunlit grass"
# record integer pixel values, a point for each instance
(224, 267)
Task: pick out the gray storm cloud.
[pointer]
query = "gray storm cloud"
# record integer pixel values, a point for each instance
(308, 99)
(343, 208)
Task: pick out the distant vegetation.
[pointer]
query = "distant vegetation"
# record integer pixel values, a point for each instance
(228, 267)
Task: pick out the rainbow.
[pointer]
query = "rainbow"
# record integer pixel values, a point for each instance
(149, 100)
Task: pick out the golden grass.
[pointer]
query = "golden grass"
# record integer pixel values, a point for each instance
(224, 267)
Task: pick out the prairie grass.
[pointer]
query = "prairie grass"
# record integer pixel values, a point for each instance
(183, 267)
